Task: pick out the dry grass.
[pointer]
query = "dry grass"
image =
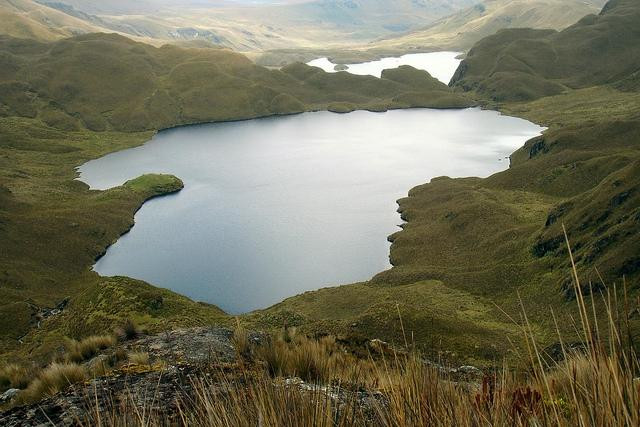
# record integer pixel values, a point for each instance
(79, 351)
(15, 376)
(241, 340)
(592, 387)
(54, 378)
(317, 360)
(138, 358)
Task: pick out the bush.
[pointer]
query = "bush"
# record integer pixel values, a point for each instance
(128, 331)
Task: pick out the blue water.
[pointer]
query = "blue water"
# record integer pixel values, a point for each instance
(275, 207)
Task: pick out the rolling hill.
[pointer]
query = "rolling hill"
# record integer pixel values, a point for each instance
(27, 19)
(108, 82)
(522, 64)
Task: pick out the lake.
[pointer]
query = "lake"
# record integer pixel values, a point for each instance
(441, 65)
(278, 206)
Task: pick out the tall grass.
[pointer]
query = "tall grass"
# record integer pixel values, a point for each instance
(595, 385)
(79, 351)
(16, 376)
(52, 379)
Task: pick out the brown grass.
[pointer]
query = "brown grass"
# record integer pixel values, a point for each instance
(15, 376)
(54, 378)
(317, 360)
(595, 386)
(79, 351)
(241, 340)
(138, 358)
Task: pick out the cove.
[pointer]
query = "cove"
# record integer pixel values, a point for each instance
(441, 65)
(278, 206)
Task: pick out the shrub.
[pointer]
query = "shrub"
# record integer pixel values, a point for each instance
(128, 331)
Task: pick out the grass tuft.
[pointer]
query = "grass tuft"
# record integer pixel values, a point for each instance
(139, 358)
(15, 376)
(128, 331)
(79, 351)
(54, 378)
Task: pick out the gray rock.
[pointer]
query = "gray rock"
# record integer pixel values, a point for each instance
(8, 395)
(470, 371)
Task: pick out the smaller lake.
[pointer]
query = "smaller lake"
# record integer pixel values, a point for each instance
(278, 206)
(441, 65)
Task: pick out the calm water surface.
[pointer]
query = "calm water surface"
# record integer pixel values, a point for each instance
(441, 65)
(278, 206)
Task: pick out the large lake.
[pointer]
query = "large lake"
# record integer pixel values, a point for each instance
(278, 206)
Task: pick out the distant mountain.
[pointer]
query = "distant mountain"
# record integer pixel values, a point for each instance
(243, 25)
(370, 17)
(464, 28)
(124, 7)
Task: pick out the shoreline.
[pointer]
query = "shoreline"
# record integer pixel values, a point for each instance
(389, 237)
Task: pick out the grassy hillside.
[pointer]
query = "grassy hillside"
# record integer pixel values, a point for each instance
(30, 20)
(108, 82)
(463, 29)
(65, 102)
(522, 64)
(475, 251)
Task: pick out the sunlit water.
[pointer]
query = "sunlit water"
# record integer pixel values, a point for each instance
(441, 65)
(278, 206)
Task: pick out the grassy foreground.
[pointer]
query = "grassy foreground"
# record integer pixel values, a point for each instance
(290, 379)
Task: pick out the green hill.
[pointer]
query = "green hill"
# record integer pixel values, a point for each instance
(108, 82)
(523, 64)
